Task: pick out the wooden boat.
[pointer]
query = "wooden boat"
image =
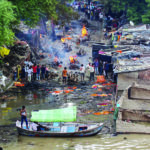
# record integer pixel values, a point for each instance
(65, 130)
(58, 123)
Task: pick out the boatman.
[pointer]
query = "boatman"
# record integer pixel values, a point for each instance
(23, 115)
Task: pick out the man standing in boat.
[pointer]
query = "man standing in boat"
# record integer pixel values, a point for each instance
(23, 115)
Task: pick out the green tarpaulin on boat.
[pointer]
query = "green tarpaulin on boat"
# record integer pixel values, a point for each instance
(55, 115)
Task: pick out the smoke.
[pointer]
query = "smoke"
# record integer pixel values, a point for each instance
(45, 39)
(56, 48)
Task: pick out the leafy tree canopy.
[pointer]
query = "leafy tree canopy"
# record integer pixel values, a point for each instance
(7, 17)
(30, 11)
(136, 10)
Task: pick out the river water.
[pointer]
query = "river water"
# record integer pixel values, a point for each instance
(99, 142)
(43, 99)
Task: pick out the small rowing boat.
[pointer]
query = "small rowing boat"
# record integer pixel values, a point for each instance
(57, 123)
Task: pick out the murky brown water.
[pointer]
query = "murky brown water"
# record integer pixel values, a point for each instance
(99, 142)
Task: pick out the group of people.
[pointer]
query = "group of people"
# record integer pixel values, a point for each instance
(31, 72)
(98, 68)
(102, 67)
(95, 68)
(92, 11)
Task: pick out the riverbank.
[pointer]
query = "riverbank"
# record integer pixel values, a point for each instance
(95, 101)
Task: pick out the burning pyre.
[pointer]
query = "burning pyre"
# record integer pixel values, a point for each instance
(84, 31)
(73, 59)
(74, 63)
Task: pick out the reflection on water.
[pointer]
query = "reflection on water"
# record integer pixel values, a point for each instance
(10, 107)
(99, 142)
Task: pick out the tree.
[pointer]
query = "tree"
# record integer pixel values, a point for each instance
(146, 15)
(7, 17)
(32, 10)
(132, 9)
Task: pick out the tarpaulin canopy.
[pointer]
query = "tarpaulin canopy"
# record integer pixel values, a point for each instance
(55, 115)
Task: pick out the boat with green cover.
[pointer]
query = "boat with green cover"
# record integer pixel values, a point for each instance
(57, 123)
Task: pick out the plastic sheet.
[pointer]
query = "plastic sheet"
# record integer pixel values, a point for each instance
(55, 115)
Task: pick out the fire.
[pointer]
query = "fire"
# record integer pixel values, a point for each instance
(84, 31)
(63, 40)
(71, 59)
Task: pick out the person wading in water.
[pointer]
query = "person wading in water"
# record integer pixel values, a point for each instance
(23, 115)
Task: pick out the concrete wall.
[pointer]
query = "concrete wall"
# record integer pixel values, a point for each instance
(129, 127)
(126, 79)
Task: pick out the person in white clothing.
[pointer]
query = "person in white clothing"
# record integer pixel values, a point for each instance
(82, 72)
(91, 72)
(34, 126)
(26, 71)
(30, 71)
(2, 80)
(30, 63)
(100, 16)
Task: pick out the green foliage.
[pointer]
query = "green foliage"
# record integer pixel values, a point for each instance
(7, 17)
(136, 10)
(32, 10)
(146, 16)
(12, 11)
(1, 61)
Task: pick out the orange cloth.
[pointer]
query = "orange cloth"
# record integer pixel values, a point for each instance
(64, 73)
(57, 91)
(104, 112)
(18, 84)
(119, 51)
(101, 79)
(94, 94)
(68, 91)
